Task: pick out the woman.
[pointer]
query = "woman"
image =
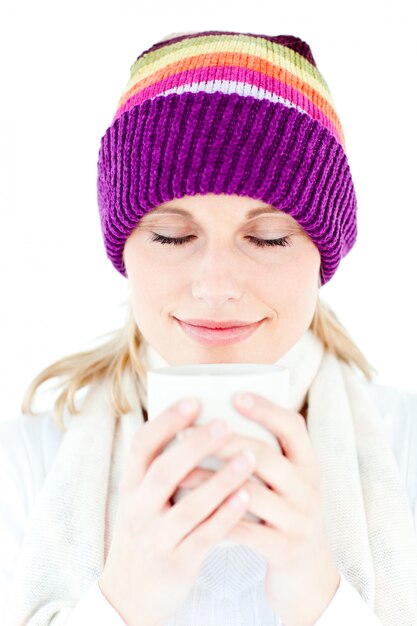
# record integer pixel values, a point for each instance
(225, 194)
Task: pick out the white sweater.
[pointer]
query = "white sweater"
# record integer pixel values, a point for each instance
(28, 446)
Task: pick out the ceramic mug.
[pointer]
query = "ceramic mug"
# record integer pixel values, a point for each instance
(215, 384)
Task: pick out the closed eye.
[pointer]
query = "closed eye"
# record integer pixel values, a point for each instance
(178, 241)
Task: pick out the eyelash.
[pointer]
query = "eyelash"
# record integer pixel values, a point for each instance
(260, 243)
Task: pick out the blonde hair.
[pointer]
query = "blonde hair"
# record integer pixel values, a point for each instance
(121, 353)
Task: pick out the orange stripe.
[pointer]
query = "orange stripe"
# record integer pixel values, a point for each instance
(241, 60)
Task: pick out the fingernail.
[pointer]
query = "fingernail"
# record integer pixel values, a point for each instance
(187, 406)
(246, 400)
(219, 428)
(241, 498)
(245, 460)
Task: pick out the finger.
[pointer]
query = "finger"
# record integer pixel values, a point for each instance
(273, 468)
(150, 438)
(289, 427)
(199, 504)
(259, 537)
(173, 465)
(239, 442)
(277, 512)
(297, 495)
(214, 528)
(195, 477)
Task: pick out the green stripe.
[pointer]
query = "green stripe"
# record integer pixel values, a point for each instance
(291, 55)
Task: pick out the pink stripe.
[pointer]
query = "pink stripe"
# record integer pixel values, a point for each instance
(232, 73)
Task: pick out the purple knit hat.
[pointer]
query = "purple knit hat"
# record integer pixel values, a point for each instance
(233, 113)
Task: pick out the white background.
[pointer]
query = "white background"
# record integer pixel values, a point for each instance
(64, 67)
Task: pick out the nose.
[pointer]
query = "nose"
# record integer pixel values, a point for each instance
(217, 275)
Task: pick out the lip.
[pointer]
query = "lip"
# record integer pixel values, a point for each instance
(217, 325)
(218, 337)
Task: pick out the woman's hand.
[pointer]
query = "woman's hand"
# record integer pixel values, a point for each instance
(157, 548)
(301, 576)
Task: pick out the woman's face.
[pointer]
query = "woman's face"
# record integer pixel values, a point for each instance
(221, 274)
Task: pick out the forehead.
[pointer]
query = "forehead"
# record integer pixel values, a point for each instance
(249, 214)
(192, 208)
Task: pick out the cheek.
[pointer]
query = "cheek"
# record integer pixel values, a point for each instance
(152, 287)
(299, 272)
(295, 283)
(307, 264)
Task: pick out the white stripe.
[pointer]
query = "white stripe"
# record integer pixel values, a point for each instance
(228, 86)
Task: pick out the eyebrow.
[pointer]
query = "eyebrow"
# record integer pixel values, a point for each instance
(249, 215)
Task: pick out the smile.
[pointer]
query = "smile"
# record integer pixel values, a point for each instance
(218, 337)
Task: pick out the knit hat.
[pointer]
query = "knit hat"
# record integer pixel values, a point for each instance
(232, 113)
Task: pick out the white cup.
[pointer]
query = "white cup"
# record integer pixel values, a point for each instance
(215, 384)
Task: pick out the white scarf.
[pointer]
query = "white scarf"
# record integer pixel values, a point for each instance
(367, 514)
